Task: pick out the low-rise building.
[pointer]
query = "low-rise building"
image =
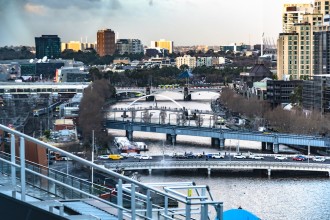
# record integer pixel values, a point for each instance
(186, 60)
(129, 46)
(280, 91)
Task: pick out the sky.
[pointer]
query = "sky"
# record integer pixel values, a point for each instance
(186, 22)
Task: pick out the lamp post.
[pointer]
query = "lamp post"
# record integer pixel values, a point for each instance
(141, 116)
(92, 157)
(309, 151)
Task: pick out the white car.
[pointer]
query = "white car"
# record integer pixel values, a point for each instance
(257, 157)
(103, 157)
(137, 156)
(239, 156)
(280, 157)
(145, 157)
(318, 159)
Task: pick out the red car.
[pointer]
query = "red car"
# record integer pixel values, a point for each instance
(299, 158)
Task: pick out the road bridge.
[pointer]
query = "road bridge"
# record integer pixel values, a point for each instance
(269, 141)
(221, 165)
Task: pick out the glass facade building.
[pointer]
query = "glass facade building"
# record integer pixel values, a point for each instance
(48, 45)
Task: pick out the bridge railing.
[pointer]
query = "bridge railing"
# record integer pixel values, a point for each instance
(221, 164)
(134, 200)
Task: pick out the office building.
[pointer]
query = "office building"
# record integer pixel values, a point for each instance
(106, 44)
(48, 45)
(280, 91)
(316, 93)
(186, 60)
(163, 44)
(129, 46)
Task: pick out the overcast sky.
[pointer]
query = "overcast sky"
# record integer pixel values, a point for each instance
(186, 22)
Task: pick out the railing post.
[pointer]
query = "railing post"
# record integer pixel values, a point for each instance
(166, 205)
(120, 198)
(219, 209)
(133, 202)
(13, 160)
(22, 157)
(188, 210)
(149, 205)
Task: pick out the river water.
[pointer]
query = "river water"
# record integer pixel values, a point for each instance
(282, 196)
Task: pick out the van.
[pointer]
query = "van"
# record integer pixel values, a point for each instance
(115, 157)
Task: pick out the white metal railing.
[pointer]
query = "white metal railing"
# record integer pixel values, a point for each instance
(136, 193)
(221, 165)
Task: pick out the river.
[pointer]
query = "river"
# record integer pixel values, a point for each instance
(284, 195)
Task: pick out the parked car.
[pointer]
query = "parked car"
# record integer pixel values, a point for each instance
(299, 158)
(280, 157)
(103, 157)
(318, 159)
(145, 157)
(239, 156)
(65, 158)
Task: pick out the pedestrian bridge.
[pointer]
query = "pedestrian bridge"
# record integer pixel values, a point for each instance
(221, 165)
(270, 141)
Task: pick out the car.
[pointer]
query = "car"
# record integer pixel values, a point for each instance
(65, 158)
(215, 156)
(137, 156)
(280, 157)
(239, 156)
(179, 156)
(103, 157)
(318, 159)
(299, 158)
(115, 157)
(145, 157)
(257, 157)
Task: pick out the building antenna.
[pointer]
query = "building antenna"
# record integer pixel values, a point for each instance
(86, 39)
(81, 40)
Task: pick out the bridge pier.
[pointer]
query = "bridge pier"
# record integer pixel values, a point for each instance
(186, 95)
(149, 98)
(269, 172)
(276, 148)
(129, 135)
(263, 146)
(215, 142)
(209, 171)
(150, 171)
(269, 146)
(171, 138)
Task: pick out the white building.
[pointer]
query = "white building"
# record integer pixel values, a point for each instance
(186, 60)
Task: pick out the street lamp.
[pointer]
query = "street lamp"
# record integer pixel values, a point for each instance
(92, 158)
(309, 151)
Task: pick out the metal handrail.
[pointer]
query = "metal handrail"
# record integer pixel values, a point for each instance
(120, 192)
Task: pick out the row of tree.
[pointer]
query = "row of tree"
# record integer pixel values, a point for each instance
(294, 121)
(7, 53)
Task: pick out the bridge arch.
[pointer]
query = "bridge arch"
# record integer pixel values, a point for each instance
(168, 98)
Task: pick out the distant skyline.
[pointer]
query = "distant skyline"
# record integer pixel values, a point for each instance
(186, 22)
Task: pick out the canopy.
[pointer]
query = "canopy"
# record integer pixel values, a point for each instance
(185, 74)
(239, 214)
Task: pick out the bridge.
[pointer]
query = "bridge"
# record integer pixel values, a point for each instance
(270, 141)
(221, 165)
(73, 88)
(35, 190)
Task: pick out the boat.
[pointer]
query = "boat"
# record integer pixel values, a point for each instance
(126, 146)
